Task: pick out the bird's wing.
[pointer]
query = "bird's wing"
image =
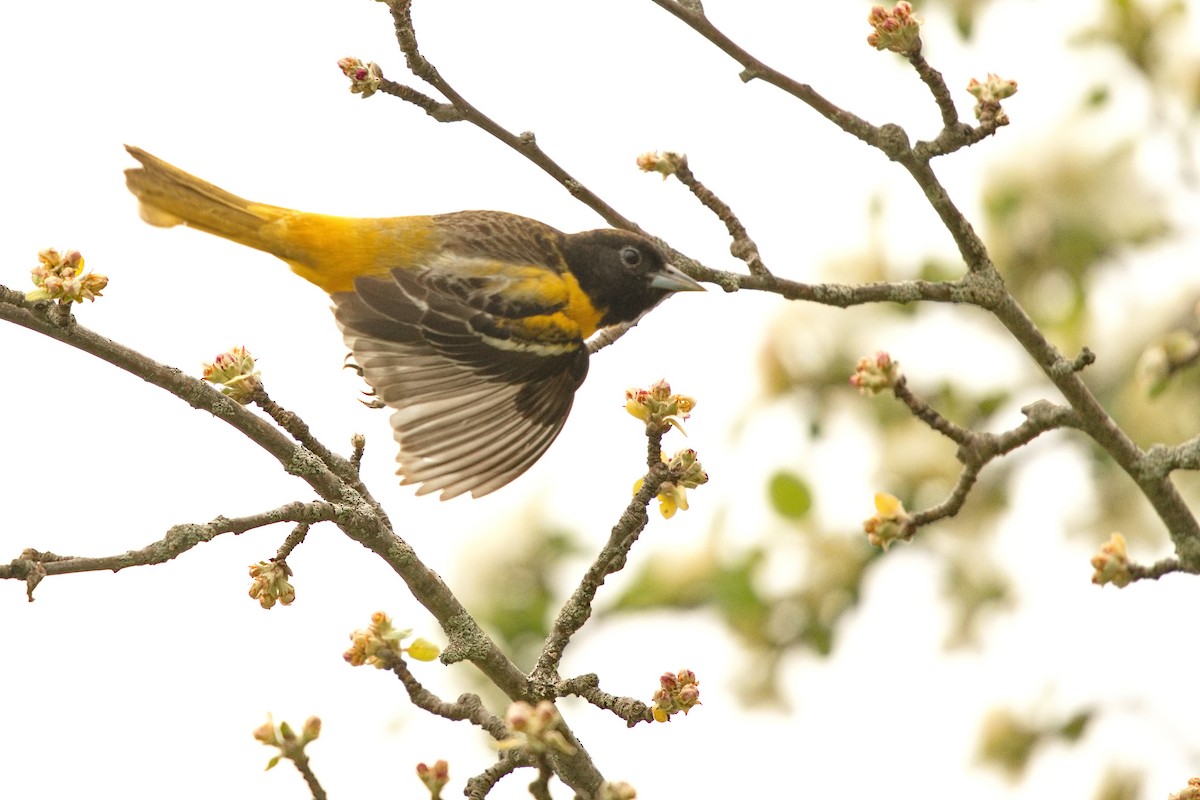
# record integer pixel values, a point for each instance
(481, 379)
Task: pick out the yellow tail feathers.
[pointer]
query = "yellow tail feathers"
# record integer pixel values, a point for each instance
(325, 250)
(169, 196)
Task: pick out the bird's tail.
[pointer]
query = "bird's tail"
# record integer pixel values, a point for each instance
(168, 196)
(325, 250)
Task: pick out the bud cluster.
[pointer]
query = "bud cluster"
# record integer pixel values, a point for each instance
(234, 372)
(435, 778)
(364, 78)
(874, 374)
(657, 406)
(282, 736)
(660, 409)
(378, 645)
(1111, 564)
(61, 277)
(686, 473)
(988, 94)
(677, 692)
(665, 164)
(270, 585)
(896, 30)
(891, 521)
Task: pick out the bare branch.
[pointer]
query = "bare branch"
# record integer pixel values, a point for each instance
(539, 788)
(177, 541)
(298, 429)
(743, 247)
(310, 778)
(981, 286)
(442, 112)
(479, 786)
(468, 707)
(948, 507)
(937, 87)
(578, 609)
(587, 686)
(359, 515)
(1040, 417)
(753, 69)
(839, 295)
(976, 449)
(1156, 570)
(523, 143)
(359, 444)
(294, 540)
(606, 336)
(927, 414)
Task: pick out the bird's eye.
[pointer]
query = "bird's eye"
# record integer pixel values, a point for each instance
(631, 256)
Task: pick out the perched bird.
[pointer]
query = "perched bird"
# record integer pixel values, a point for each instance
(471, 325)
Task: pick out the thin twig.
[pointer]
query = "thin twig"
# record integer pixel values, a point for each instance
(587, 686)
(442, 112)
(937, 87)
(294, 539)
(927, 414)
(539, 787)
(358, 443)
(578, 609)
(606, 336)
(753, 69)
(301, 763)
(479, 786)
(977, 449)
(948, 507)
(523, 143)
(468, 707)
(299, 430)
(1156, 570)
(743, 247)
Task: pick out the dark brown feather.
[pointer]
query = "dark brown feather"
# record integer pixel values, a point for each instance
(472, 412)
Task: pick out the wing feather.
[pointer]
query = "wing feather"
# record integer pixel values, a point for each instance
(473, 409)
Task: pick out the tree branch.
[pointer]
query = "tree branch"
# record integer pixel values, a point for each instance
(753, 69)
(587, 686)
(358, 515)
(468, 707)
(524, 143)
(175, 542)
(481, 785)
(578, 609)
(981, 286)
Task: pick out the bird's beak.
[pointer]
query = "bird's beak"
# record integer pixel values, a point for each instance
(672, 279)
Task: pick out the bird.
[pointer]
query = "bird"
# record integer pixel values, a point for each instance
(471, 326)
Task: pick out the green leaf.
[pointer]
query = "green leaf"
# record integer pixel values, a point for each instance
(790, 496)
(1074, 728)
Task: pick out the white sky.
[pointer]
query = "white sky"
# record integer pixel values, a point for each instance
(149, 683)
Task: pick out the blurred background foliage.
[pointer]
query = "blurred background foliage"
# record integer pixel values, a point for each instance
(1075, 209)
